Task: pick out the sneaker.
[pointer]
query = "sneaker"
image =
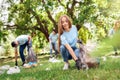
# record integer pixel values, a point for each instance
(66, 66)
(27, 66)
(23, 64)
(51, 59)
(78, 64)
(51, 56)
(56, 56)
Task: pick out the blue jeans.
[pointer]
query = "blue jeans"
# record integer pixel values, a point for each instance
(65, 53)
(53, 47)
(21, 49)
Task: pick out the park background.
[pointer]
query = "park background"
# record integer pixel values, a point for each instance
(93, 19)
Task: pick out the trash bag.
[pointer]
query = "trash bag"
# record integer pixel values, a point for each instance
(5, 67)
(13, 70)
(31, 56)
(86, 59)
(93, 62)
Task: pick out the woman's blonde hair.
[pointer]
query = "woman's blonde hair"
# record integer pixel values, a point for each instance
(60, 27)
(116, 25)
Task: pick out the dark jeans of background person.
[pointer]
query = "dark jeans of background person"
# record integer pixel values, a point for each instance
(65, 53)
(21, 50)
(54, 48)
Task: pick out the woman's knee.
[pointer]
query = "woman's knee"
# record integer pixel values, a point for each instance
(62, 48)
(77, 52)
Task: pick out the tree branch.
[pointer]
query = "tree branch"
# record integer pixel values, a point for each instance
(51, 18)
(70, 10)
(11, 26)
(61, 3)
(42, 27)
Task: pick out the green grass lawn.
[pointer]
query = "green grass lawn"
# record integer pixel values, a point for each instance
(108, 70)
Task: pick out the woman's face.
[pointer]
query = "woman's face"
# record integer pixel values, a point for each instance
(65, 23)
(117, 25)
(54, 32)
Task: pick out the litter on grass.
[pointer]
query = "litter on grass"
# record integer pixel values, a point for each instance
(53, 60)
(13, 70)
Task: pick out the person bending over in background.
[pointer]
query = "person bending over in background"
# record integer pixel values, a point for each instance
(22, 41)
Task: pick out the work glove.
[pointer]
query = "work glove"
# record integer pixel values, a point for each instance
(16, 64)
(30, 44)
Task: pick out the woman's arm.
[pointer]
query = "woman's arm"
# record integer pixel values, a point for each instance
(71, 51)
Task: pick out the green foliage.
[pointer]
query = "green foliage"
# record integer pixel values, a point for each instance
(3, 33)
(85, 11)
(1, 23)
(84, 34)
(105, 47)
(42, 15)
(6, 44)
